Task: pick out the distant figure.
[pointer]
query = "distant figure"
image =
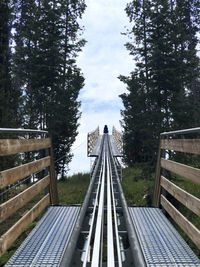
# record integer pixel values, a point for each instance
(105, 129)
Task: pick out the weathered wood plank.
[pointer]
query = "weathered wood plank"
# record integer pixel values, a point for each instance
(156, 197)
(190, 201)
(182, 145)
(12, 234)
(182, 221)
(13, 175)
(190, 173)
(14, 146)
(12, 205)
(53, 181)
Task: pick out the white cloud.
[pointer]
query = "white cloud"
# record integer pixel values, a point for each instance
(103, 59)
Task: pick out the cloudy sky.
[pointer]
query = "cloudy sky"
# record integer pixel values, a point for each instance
(102, 60)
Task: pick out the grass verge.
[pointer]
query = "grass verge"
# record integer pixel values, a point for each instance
(73, 189)
(137, 189)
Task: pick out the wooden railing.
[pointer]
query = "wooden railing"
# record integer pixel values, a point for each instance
(16, 174)
(173, 145)
(91, 140)
(118, 139)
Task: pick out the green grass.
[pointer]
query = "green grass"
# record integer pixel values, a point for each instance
(137, 190)
(73, 189)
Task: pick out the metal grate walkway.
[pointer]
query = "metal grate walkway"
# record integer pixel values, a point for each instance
(161, 244)
(97, 147)
(46, 244)
(115, 150)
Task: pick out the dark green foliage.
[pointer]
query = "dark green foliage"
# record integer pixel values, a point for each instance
(47, 44)
(5, 80)
(9, 93)
(163, 90)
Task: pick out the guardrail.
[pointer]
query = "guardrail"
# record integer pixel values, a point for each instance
(171, 142)
(91, 140)
(118, 139)
(13, 175)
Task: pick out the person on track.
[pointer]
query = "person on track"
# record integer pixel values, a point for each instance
(105, 129)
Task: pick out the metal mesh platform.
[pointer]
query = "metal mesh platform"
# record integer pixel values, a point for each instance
(115, 150)
(96, 150)
(161, 244)
(46, 244)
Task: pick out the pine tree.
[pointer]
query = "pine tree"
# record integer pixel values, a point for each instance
(139, 102)
(185, 18)
(9, 94)
(164, 35)
(47, 46)
(136, 137)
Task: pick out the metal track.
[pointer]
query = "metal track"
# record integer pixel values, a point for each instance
(103, 228)
(115, 235)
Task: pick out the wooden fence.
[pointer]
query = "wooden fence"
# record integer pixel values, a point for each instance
(91, 140)
(118, 139)
(13, 175)
(190, 173)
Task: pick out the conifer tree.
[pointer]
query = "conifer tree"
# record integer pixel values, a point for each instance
(164, 35)
(48, 42)
(9, 94)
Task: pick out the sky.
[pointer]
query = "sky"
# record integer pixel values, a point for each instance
(103, 59)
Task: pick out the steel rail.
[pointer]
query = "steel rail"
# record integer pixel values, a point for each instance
(138, 257)
(92, 220)
(115, 212)
(68, 254)
(185, 131)
(116, 226)
(13, 130)
(97, 249)
(110, 243)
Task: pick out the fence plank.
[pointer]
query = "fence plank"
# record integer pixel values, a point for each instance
(182, 145)
(190, 173)
(14, 146)
(190, 201)
(13, 175)
(182, 221)
(53, 181)
(156, 196)
(12, 234)
(12, 205)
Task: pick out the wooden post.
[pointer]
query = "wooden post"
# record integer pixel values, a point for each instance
(88, 140)
(53, 180)
(157, 187)
(46, 190)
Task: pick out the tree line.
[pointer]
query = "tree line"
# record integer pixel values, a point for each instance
(39, 78)
(163, 91)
